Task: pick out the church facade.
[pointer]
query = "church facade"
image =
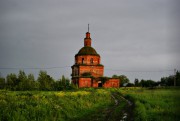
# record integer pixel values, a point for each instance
(88, 71)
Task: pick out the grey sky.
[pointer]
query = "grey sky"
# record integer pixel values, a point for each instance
(139, 39)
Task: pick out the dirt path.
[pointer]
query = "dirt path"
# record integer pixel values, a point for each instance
(121, 110)
(123, 114)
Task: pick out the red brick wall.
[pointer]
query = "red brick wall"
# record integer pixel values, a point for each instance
(112, 83)
(87, 59)
(95, 83)
(84, 82)
(88, 82)
(96, 71)
(87, 42)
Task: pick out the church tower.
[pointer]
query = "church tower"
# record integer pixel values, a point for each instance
(87, 67)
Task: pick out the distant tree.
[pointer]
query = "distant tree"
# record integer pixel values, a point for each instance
(123, 79)
(62, 84)
(46, 82)
(142, 83)
(12, 81)
(130, 85)
(23, 81)
(31, 77)
(147, 83)
(58, 86)
(167, 81)
(177, 78)
(115, 76)
(136, 82)
(2, 83)
(32, 84)
(150, 83)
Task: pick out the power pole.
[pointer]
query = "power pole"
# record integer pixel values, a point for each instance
(174, 77)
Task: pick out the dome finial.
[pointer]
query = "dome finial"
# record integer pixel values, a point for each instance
(87, 33)
(88, 27)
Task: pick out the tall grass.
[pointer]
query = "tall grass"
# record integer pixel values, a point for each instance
(54, 106)
(88, 104)
(154, 104)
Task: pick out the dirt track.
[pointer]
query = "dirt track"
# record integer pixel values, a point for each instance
(125, 114)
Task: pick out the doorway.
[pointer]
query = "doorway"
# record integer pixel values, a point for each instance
(100, 84)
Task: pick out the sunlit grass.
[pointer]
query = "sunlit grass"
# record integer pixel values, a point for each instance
(154, 104)
(42, 105)
(88, 104)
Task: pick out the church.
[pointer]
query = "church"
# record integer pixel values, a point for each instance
(88, 71)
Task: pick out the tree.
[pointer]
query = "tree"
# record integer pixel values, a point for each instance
(167, 81)
(23, 81)
(123, 79)
(130, 85)
(136, 82)
(147, 83)
(62, 84)
(46, 82)
(12, 81)
(32, 84)
(2, 83)
(177, 78)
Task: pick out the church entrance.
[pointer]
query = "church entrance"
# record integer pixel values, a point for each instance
(99, 84)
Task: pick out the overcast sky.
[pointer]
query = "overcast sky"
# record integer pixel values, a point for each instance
(136, 38)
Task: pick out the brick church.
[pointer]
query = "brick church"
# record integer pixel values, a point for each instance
(88, 71)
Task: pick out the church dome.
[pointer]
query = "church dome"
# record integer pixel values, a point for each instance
(87, 50)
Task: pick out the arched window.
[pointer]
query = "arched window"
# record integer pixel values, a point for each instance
(82, 60)
(91, 61)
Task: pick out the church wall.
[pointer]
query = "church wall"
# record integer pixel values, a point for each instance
(113, 82)
(95, 83)
(84, 82)
(96, 71)
(87, 60)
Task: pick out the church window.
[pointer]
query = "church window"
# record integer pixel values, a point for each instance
(82, 60)
(91, 61)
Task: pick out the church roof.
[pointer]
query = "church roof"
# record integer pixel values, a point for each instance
(87, 50)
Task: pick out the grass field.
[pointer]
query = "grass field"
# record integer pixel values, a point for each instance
(154, 104)
(89, 104)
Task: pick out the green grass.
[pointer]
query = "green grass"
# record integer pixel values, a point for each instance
(89, 104)
(154, 104)
(54, 106)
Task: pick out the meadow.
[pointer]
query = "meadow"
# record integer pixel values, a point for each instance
(161, 104)
(89, 104)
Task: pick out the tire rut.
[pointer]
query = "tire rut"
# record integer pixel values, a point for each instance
(126, 114)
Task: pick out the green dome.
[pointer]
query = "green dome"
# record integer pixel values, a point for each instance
(87, 50)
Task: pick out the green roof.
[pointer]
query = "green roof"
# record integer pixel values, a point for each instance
(87, 51)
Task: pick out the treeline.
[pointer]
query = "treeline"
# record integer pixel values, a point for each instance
(165, 81)
(22, 81)
(172, 80)
(45, 82)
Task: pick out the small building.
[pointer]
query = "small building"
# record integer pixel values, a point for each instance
(88, 71)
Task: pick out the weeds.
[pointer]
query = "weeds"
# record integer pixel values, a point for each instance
(156, 104)
(89, 104)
